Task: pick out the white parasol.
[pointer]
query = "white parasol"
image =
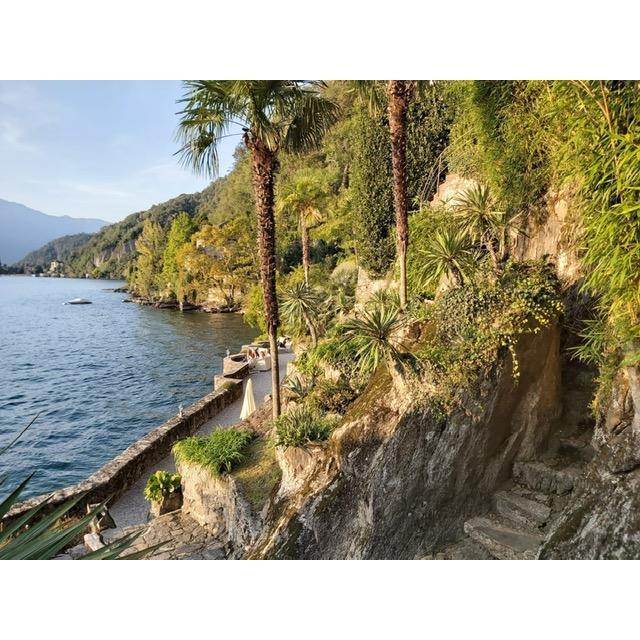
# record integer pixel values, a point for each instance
(249, 403)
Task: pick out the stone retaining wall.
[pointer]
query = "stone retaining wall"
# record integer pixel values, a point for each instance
(115, 477)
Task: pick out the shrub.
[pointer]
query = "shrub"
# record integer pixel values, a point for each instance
(221, 451)
(302, 425)
(333, 397)
(161, 484)
(471, 323)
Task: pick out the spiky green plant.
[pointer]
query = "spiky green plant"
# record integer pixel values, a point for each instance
(296, 388)
(301, 426)
(476, 212)
(218, 452)
(374, 335)
(449, 253)
(300, 306)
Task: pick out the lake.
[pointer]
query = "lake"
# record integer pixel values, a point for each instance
(100, 376)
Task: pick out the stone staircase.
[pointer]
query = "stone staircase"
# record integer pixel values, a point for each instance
(525, 507)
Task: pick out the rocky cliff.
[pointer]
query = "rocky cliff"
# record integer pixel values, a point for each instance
(399, 477)
(603, 518)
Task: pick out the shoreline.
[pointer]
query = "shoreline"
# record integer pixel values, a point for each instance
(114, 478)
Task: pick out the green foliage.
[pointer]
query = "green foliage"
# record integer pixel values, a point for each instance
(470, 324)
(180, 232)
(300, 307)
(501, 138)
(302, 425)
(428, 121)
(600, 151)
(221, 451)
(160, 484)
(148, 266)
(373, 335)
(372, 195)
(447, 253)
(218, 261)
(111, 248)
(296, 388)
(333, 397)
(254, 309)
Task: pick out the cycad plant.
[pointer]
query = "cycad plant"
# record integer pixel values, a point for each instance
(275, 116)
(449, 252)
(301, 306)
(475, 210)
(374, 335)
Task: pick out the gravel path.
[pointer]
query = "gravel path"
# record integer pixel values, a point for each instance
(131, 508)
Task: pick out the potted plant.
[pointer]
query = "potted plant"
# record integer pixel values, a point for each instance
(164, 492)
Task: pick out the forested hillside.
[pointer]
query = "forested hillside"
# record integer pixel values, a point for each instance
(62, 248)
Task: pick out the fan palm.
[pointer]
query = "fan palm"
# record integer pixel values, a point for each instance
(305, 196)
(275, 115)
(301, 305)
(475, 209)
(448, 253)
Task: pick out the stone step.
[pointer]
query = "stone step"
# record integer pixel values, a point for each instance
(541, 477)
(465, 549)
(503, 538)
(520, 509)
(575, 449)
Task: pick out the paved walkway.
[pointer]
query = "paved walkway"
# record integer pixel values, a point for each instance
(131, 508)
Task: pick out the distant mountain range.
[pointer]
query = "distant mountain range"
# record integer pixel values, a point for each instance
(23, 229)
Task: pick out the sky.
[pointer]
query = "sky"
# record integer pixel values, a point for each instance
(94, 149)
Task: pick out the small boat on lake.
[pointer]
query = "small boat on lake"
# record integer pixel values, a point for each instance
(78, 301)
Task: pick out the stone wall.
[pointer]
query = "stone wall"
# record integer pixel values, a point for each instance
(216, 503)
(114, 478)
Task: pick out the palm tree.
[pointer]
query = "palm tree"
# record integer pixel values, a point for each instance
(275, 115)
(302, 305)
(398, 97)
(305, 196)
(449, 253)
(475, 208)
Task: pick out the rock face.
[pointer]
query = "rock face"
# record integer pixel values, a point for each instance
(555, 232)
(556, 235)
(216, 503)
(399, 478)
(603, 518)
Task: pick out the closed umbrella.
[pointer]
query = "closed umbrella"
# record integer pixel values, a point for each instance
(249, 404)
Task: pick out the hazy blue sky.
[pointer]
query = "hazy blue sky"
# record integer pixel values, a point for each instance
(93, 149)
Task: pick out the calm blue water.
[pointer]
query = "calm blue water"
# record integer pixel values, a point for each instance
(99, 375)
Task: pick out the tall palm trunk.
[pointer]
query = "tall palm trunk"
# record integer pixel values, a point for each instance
(306, 249)
(265, 165)
(398, 94)
(312, 329)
